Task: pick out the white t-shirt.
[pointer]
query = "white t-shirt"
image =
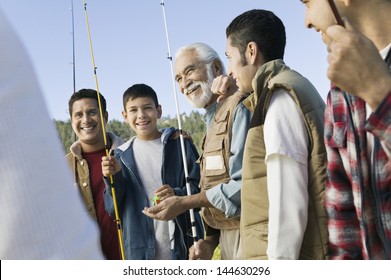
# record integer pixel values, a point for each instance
(286, 141)
(148, 156)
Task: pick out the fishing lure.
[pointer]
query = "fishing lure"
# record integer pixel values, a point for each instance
(155, 200)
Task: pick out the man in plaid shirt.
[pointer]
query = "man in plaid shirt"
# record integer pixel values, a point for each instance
(357, 126)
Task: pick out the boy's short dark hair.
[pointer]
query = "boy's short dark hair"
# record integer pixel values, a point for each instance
(86, 93)
(139, 90)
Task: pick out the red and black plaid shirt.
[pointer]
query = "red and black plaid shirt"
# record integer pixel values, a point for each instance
(358, 190)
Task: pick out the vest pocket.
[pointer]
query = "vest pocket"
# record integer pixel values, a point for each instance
(335, 134)
(221, 123)
(213, 159)
(254, 240)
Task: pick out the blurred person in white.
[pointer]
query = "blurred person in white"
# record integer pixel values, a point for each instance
(42, 215)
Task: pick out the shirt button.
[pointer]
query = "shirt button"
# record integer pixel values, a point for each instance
(85, 184)
(81, 163)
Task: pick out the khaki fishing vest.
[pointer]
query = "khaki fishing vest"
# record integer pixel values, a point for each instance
(214, 161)
(254, 201)
(81, 175)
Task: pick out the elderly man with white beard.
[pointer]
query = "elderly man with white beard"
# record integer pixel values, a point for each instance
(199, 70)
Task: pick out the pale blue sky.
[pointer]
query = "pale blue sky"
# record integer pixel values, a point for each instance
(130, 45)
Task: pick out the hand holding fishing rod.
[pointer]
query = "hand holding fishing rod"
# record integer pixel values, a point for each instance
(110, 166)
(350, 50)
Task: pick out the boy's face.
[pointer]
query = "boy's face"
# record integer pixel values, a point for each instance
(142, 115)
(87, 125)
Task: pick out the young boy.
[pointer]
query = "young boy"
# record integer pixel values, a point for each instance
(150, 165)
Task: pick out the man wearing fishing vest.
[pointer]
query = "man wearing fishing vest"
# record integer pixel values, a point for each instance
(283, 215)
(196, 66)
(85, 159)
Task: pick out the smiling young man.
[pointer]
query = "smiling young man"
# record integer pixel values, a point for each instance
(85, 158)
(357, 125)
(283, 215)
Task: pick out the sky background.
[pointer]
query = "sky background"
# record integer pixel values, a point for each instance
(129, 44)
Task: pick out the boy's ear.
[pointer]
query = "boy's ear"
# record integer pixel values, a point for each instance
(125, 116)
(106, 116)
(159, 111)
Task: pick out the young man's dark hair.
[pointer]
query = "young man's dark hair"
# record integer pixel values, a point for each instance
(261, 27)
(86, 93)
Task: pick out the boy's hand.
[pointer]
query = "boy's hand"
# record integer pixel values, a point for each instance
(110, 166)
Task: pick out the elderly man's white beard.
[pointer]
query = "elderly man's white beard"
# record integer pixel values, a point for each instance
(201, 100)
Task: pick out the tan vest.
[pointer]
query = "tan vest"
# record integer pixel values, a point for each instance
(81, 172)
(214, 161)
(255, 205)
(81, 175)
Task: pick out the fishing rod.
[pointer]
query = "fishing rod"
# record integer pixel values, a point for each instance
(73, 49)
(73, 62)
(117, 219)
(336, 13)
(183, 150)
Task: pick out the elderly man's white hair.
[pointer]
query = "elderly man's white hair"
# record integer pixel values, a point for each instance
(204, 52)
